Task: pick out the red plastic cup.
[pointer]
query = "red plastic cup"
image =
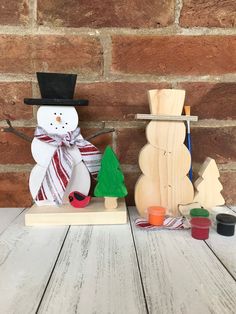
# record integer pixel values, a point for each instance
(200, 228)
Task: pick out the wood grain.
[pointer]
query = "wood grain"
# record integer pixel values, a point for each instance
(208, 186)
(7, 215)
(142, 116)
(96, 272)
(27, 257)
(181, 275)
(94, 213)
(223, 247)
(165, 161)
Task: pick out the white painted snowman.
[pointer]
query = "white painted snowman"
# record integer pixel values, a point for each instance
(57, 116)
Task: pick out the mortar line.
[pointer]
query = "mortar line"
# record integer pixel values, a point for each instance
(131, 124)
(33, 15)
(105, 40)
(178, 8)
(131, 168)
(171, 30)
(130, 78)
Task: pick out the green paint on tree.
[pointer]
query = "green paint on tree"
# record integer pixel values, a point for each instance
(110, 177)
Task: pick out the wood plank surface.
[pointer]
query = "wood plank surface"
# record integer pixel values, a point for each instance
(181, 274)
(27, 257)
(223, 247)
(96, 272)
(233, 208)
(7, 215)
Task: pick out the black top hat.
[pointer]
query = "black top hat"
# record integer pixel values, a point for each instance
(56, 89)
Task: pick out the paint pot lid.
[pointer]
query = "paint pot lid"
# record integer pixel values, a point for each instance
(200, 222)
(226, 219)
(199, 212)
(156, 210)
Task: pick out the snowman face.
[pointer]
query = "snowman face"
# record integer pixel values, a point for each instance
(57, 119)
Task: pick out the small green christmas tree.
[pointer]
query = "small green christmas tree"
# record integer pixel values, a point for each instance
(110, 179)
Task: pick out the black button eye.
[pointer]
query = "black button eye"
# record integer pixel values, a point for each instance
(55, 113)
(50, 123)
(61, 114)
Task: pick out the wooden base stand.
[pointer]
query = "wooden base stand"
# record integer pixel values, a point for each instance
(94, 214)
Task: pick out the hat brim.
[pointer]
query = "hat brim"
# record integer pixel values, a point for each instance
(56, 102)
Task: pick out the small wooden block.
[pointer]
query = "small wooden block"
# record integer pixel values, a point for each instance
(185, 209)
(94, 214)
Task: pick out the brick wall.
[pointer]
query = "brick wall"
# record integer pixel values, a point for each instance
(120, 49)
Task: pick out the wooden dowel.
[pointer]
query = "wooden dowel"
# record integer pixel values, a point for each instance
(141, 116)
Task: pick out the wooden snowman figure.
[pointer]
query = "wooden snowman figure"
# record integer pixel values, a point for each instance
(164, 160)
(64, 158)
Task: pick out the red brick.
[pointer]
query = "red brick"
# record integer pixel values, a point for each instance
(211, 100)
(114, 101)
(14, 12)
(210, 13)
(129, 143)
(12, 101)
(101, 141)
(69, 53)
(228, 180)
(15, 150)
(14, 191)
(218, 143)
(98, 13)
(165, 55)
(130, 181)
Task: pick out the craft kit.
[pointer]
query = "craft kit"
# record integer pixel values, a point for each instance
(66, 163)
(166, 177)
(165, 161)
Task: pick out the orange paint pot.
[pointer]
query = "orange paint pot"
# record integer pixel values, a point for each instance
(156, 215)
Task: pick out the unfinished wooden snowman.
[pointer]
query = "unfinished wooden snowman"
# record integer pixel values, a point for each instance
(64, 159)
(165, 160)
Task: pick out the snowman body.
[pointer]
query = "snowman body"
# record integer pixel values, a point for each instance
(57, 120)
(164, 160)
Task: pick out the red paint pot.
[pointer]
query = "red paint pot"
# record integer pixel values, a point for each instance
(200, 228)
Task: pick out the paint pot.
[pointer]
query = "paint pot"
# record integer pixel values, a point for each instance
(225, 224)
(199, 212)
(200, 228)
(156, 215)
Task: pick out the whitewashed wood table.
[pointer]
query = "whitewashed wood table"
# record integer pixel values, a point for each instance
(113, 269)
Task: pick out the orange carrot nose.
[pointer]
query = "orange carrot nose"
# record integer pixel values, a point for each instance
(58, 119)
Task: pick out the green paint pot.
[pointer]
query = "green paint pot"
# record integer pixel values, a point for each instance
(199, 212)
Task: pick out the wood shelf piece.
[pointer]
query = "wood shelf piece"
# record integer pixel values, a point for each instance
(93, 214)
(142, 116)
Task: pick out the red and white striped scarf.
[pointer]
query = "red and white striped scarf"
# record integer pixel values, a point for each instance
(172, 223)
(60, 168)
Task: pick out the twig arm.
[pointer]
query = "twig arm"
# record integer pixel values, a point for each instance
(103, 131)
(27, 138)
(12, 130)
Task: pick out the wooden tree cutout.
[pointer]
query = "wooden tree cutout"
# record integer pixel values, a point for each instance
(208, 185)
(110, 180)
